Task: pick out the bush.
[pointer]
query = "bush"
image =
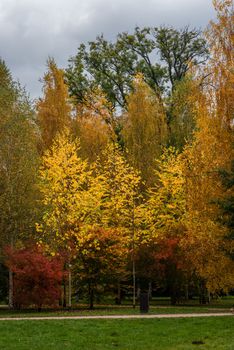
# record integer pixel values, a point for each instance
(36, 277)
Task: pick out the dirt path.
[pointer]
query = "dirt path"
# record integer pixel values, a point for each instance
(107, 317)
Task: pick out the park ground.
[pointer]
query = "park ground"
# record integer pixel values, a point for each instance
(161, 333)
(214, 333)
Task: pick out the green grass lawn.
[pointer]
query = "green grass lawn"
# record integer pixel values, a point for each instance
(141, 334)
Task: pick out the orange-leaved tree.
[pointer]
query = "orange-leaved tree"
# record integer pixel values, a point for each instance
(93, 125)
(54, 108)
(212, 151)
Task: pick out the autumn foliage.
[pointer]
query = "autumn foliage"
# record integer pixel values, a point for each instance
(100, 262)
(132, 179)
(37, 278)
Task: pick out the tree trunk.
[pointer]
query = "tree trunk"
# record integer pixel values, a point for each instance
(134, 283)
(69, 288)
(118, 298)
(203, 297)
(11, 288)
(11, 283)
(91, 296)
(150, 290)
(186, 292)
(64, 294)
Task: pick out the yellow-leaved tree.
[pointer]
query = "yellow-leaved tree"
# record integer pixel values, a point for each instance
(70, 194)
(121, 196)
(164, 228)
(165, 207)
(144, 128)
(120, 184)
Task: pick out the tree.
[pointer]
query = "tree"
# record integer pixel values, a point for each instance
(100, 262)
(142, 44)
(220, 67)
(120, 184)
(180, 112)
(75, 200)
(179, 49)
(204, 240)
(144, 129)
(94, 136)
(166, 267)
(18, 165)
(93, 125)
(165, 211)
(69, 198)
(103, 64)
(3, 282)
(113, 65)
(227, 203)
(166, 204)
(212, 150)
(7, 91)
(224, 78)
(37, 278)
(54, 109)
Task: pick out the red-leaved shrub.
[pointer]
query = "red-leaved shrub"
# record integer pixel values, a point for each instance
(36, 277)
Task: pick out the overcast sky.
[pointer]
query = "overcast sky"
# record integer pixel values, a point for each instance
(32, 30)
